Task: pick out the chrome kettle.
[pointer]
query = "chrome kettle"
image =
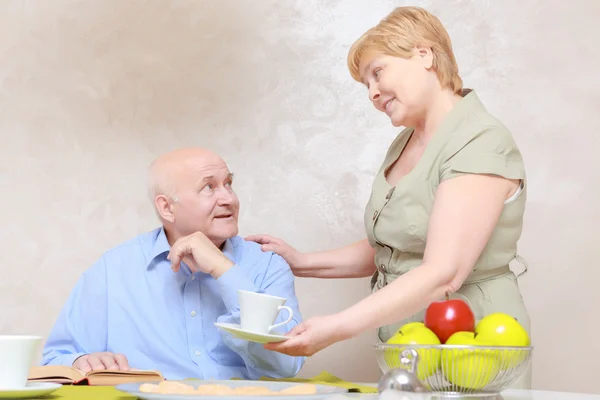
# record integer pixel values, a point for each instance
(403, 379)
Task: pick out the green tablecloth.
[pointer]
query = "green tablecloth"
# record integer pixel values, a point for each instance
(110, 393)
(89, 393)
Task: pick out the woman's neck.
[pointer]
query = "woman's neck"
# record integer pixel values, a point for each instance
(438, 108)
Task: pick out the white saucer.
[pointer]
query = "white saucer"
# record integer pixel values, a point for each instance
(33, 389)
(250, 336)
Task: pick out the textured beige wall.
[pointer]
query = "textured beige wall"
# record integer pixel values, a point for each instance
(91, 91)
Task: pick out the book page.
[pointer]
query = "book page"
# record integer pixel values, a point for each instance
(55, 371)
(139, 372)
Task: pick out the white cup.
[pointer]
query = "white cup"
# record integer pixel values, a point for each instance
(259, 311)
(16, 357)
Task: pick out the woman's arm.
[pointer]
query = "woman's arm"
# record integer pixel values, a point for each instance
(465, 212)
(356, 260)
(464, 215)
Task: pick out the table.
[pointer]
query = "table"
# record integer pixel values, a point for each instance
(110, 393)
(513, 394)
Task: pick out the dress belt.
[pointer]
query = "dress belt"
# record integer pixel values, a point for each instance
(381, 280)
(485, 274)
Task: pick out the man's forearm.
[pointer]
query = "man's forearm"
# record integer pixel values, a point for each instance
(53, 356)
(258, 360)
(220, 267)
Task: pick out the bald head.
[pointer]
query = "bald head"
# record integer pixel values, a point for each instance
(191, 191)
(167, 172)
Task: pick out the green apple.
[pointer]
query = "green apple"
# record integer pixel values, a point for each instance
(499, 329)
(415, 333)
(469, 368)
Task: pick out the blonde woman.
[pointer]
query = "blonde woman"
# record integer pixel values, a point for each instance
(447, 204)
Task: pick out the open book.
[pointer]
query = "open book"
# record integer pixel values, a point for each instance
(73, 376)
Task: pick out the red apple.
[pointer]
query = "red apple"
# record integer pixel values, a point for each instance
(447, 317)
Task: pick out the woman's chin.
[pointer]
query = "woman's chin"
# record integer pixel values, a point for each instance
(397, 122)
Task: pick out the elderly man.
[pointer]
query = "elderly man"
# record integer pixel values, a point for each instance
(139, 307)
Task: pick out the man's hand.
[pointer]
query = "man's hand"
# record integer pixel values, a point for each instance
(200, 254)
(101, 361)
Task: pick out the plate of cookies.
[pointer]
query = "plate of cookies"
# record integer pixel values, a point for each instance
(228, 390)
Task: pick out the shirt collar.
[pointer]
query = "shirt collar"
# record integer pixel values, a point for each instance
(229, 250)
(161, 246)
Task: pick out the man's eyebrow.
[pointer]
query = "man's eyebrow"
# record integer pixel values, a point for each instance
(212, 178)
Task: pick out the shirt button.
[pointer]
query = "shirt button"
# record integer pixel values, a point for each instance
(375, 215)
(193, 313)
(193, 277)
(198, 352)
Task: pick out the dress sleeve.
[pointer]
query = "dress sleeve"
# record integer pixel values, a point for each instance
(491, 150)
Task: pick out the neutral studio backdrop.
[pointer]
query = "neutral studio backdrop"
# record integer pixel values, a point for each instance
(91, 91)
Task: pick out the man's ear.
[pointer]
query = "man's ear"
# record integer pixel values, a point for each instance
(163, 207)
(426, 55)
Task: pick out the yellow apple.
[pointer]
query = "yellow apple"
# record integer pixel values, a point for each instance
(499, 329)
(415, 333)
(502, 330)
(469, 368)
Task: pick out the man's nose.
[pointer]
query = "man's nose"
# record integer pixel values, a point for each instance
(225, 195)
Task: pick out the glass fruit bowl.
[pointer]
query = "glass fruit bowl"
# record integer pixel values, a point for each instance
(457, 369)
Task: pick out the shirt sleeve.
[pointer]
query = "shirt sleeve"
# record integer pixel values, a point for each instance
(492, 151)
(82, 324)
(278, 281)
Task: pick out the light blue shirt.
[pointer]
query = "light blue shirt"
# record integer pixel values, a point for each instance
(131, 302)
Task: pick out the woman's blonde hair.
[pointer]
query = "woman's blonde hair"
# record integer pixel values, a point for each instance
(399, 33)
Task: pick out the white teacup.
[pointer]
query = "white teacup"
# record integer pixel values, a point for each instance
(259, 311)
(16, 357)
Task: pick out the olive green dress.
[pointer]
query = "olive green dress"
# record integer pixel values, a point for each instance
(469, 141)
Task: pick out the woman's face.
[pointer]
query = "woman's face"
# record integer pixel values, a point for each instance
(399, 87)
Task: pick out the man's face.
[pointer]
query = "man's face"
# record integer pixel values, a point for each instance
(206, 201)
